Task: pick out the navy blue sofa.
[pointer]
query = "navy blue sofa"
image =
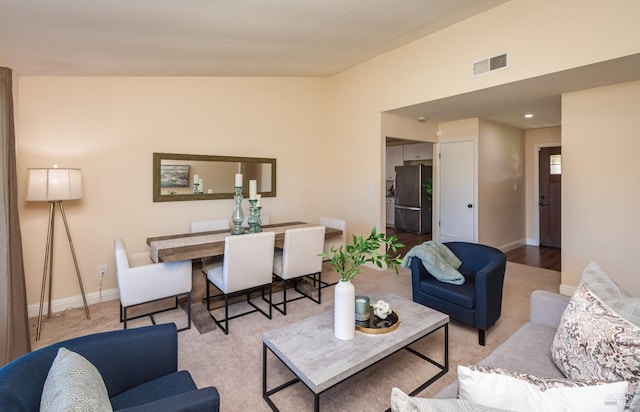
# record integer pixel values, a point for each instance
(139, 368)
(478, 302)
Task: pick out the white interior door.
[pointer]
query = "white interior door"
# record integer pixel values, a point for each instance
(457, 189)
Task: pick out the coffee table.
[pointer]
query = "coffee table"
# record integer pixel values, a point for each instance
(320, 360)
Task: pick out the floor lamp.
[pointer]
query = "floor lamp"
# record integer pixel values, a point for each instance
(54, 186)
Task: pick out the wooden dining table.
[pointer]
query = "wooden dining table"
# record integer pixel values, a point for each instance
(188, 246)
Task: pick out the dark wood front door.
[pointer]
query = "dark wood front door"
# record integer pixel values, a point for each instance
(549, 203)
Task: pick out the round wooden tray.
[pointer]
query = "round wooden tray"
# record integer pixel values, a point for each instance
(376, 325)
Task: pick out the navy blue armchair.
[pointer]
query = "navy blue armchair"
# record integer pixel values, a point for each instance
(478, 302)
(139, 368)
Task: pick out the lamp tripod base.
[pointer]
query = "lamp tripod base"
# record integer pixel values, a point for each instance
(48, 266)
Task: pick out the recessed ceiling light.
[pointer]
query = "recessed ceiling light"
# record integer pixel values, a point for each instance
(528, 115)
(422, 118)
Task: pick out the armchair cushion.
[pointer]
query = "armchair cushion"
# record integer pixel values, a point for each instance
(163, 387)
(461, 295)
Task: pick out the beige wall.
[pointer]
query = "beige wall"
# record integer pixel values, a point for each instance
(600, 196)
(459, 128)
(500, 185)
(325, 133)
(109, 127)
(535, 138)
(500, 179)
(540, 36)
(404, 128)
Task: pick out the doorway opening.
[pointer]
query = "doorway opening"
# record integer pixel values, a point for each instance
(548, 183)
(410, 222)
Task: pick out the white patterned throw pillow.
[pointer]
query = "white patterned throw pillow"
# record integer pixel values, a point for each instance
(499, 388)
(594, 342)
(74, 384)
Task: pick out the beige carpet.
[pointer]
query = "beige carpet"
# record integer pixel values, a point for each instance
(233, 363)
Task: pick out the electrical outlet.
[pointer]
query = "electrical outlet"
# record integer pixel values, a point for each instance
(102, 271)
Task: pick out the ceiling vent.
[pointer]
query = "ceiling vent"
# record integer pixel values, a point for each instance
(490, 64)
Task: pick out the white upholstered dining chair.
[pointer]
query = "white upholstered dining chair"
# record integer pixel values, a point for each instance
(299, 258)
(209, 225)
(246, 268)
(337, 241)
(142, 281)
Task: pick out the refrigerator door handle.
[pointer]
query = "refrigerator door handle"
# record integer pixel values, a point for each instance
(407, 207)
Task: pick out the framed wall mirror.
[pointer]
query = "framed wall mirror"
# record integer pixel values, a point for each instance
(174, 176)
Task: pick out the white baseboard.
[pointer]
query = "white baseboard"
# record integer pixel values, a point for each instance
(510, 246)
(73, 302)
(567, 290)
(532, 242)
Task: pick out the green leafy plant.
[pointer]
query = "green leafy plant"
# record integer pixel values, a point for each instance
(428, 187)
(347, 261)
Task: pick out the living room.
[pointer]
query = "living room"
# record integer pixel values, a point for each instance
(326, 135)
(94, 123)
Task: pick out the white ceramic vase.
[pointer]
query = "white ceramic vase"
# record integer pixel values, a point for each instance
(344, 314)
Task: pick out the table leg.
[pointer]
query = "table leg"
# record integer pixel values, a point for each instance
(266, 393)
(444, 368)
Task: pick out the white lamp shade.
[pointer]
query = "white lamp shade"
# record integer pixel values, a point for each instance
(54, 184)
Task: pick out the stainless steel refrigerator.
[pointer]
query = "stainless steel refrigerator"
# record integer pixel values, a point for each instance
(413, 208)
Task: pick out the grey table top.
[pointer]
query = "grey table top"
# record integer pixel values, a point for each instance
(310, 349)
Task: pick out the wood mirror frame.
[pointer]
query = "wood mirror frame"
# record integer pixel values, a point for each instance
(173, 176)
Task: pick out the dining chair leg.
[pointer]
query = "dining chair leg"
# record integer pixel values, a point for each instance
(208, 297)
(284, 306)
(188, 313)
(284, 282)
(189, 310)
(270, 297)
(226, 314)
(125, 317)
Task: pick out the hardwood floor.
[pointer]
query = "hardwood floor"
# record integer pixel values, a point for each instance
(538, 256)
(408, 239)
(542, 256)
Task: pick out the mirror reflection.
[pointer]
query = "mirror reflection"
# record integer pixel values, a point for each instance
(180, 177)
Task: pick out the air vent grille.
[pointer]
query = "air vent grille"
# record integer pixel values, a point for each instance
(490, 64)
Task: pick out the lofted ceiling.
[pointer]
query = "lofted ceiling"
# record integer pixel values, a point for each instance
(214, 37)
(266, 38)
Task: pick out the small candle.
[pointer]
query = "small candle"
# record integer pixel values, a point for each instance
(238, 180)
(362, 308)
(258, 198)
(210, 191)
(253, 189)
(196, 178)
